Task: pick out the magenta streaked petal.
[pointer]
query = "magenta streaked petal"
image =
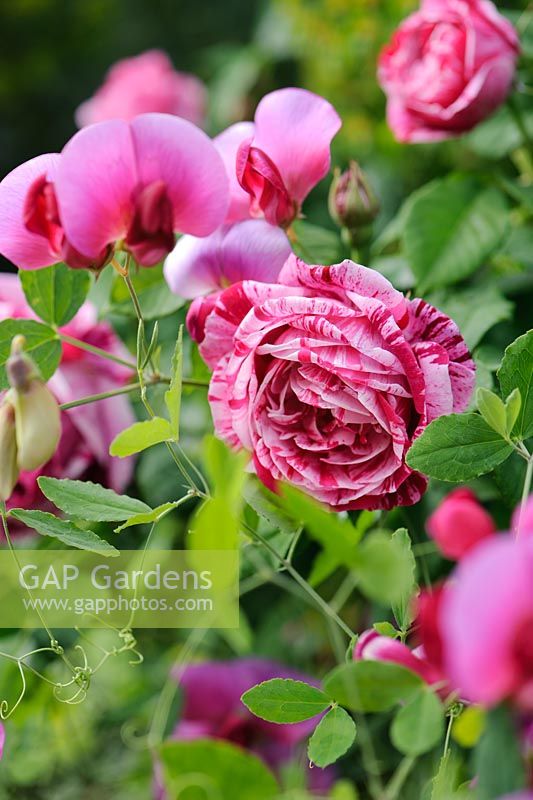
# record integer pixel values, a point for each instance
(25, 249)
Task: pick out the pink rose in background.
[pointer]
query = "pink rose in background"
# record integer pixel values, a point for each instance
(213, 709)
(459, 523)
(448, 66)
(87, 431)
(328, 376)
(487, 623)
(147, 82)
(275, 162)
(251, 249)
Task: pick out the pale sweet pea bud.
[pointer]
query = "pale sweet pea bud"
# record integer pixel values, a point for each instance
(8, 451)
(352, 202)
(459, 524)
(37, 414)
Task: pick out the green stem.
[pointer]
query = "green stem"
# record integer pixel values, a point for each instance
(94, 398)
(398, 779)
(96, 351)
(525, 493)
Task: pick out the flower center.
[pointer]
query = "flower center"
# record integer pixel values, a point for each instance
(259, 176)
(523, 648)
(41, 214)
(151, 234)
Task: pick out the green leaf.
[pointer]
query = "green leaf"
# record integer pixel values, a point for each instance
(403, 608)
(55, 293)
(197, 770)
(499, 134)
(458, 447)
(492, 409)
(48, 525)
(475, 311)
(42, 344)
(332, 737)
(371, 686)
(90, 501)
(385, 629)
(316, 245)
(140, 436)
(419, 725)
(154, 515)
(516, 371)
(513, 404)
(265, 506)
(173, 395)
(285, 700)
(396, 268)
(452, 226)
(384, 568)
(498, 761)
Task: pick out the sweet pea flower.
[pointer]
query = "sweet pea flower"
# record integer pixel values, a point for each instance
(372, 646)
(459, 524)
(87, 431)
(448, 66)
(522, 520)
(147, 82)
(128, 183)
(213, 709)
(251, 249)
(486, 623)
(326, 378)
(279, 158)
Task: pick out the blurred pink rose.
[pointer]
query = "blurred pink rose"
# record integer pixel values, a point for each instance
(328, 376)
(448, 66)
(459, 524)
(144, 83)
(87, 431)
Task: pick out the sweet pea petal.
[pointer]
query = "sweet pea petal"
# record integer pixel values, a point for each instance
(95, 182)
(176, 151)
(227, 143)
(25, 249)
(294, 128)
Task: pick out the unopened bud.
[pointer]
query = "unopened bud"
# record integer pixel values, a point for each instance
(352, 202)
(38, 425)
(19, 366)
(9, 471)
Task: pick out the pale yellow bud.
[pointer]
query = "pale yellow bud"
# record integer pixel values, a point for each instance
(38, 424)
(9, 471)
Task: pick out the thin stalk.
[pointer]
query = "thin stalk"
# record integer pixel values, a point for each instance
(96, 351)
(525, 494)
(397, 781)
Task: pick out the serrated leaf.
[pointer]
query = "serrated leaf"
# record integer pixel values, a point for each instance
(492, 409)
(458, 447)
(90, 501)
(516, 372)
(48, 525)
(332, 737)
(55, 293)
(419, 725)
(285, 700)
(173, 395)
(197, 770)
(371, 686)
(140, 436)
(451, 228)
(42, 344)
(154, 515)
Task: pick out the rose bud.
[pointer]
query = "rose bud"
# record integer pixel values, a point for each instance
(459, 524)
(37, 414)
(8, 448)
(352, 202)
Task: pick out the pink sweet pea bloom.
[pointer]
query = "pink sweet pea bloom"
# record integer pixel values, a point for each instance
(281, 157)
(140, 182)
(459, 524)
(371, 646)
(522, 521)
(448, 66)
(87, 431)
(328, 376)
(147, 82)
(213, 709)
(251, 249)
(487, 623)
(31, 231)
